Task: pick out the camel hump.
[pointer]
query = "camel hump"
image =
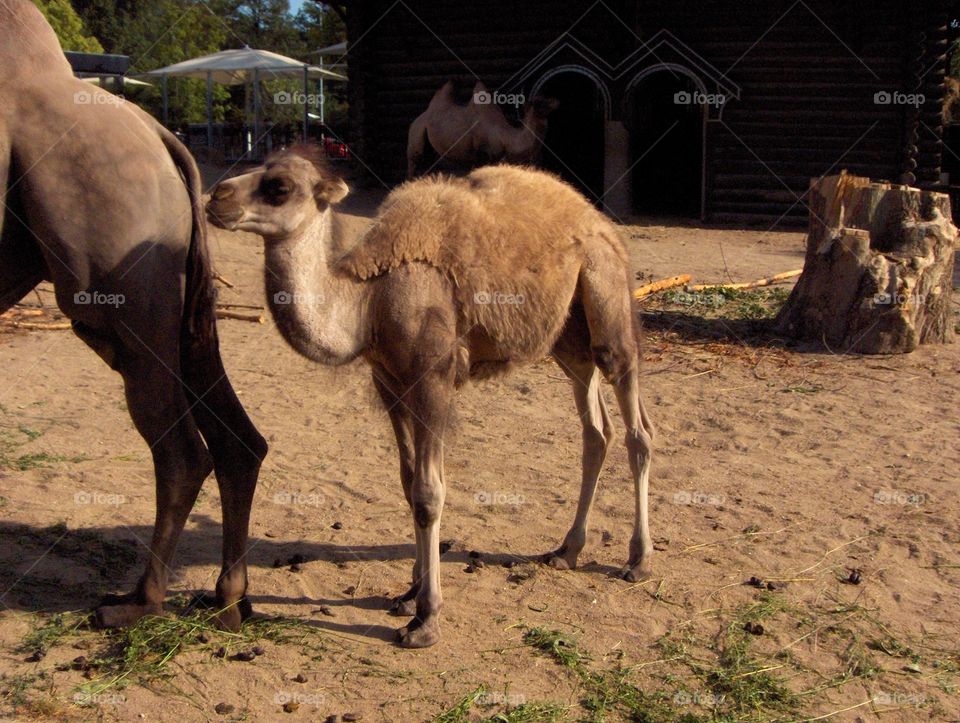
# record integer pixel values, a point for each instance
(494, 216)
(409, 228)
(443, 97)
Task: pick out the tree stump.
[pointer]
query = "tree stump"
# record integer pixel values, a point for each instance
(878, 273)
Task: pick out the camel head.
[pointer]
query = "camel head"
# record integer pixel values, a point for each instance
(536, 111)
(277, 200)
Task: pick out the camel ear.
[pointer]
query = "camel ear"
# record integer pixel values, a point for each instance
(330, 191)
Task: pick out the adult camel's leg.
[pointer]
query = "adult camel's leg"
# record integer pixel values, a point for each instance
(181, 462)
(401, 420)
(238, 450)
(597, 434)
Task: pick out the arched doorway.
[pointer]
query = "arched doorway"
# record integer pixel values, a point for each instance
(665, 115)
(574, 143)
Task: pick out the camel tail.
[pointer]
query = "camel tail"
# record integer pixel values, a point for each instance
(199, 303)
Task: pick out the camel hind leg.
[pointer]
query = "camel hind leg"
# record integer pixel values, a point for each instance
(181, 462)
(238, 449)
(613, 343)
(597, 434)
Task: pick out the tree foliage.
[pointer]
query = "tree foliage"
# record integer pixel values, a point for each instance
(68, 26)
(155, 33)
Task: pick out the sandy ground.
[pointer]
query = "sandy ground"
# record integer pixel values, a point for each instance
(791, 466)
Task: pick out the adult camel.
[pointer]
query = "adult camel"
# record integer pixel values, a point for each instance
(104, 202)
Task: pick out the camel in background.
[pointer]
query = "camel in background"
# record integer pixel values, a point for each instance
(104, 202)
(477, 133)
(458, 278)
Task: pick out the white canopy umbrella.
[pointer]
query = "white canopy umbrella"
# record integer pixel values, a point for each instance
(233, 67)
(336, 49)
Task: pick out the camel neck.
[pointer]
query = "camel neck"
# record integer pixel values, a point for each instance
(320, 313)
(523, 143)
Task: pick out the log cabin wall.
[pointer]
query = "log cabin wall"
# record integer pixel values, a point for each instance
(800, 79)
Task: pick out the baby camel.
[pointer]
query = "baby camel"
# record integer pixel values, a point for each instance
(456, 279)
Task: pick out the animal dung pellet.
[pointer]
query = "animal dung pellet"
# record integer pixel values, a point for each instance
(258, 651)
(337, 525)
(300, 678)
(290, 707)
(244, 656)
(224, 708)
(220, 652)
(753, 628)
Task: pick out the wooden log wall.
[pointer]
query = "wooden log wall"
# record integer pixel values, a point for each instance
(808, 81)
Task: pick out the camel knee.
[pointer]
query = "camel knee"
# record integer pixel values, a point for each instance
(639, 448)
(614, 364)
(427, 502)
(596, 441)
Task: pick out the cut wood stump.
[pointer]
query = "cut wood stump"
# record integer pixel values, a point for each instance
(877, 278)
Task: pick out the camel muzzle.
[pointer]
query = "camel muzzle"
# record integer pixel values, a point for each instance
(224, 215)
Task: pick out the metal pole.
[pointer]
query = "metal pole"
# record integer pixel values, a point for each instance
(306, 101)
(322, 98)
(166, 103)
(256, 113)
(209, 109)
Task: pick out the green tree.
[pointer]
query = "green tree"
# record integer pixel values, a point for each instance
(156, 33)
(265, 24)
(319, 25)
(68, 26)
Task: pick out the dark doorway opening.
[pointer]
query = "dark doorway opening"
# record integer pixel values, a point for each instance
(665, 117)
(573, 146)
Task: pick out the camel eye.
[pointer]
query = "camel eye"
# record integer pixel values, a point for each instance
(276, 190)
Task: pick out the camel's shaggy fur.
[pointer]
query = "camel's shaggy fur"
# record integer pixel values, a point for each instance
(514, 269)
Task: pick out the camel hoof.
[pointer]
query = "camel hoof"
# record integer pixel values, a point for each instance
(560, 559)
(403, 608)
(419, 634)
(637, 573)
(232, 617)
(123, 615)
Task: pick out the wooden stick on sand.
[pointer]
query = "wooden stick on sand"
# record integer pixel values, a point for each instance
(660, 285)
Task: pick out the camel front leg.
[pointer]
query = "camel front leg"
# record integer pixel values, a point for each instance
(433, 398)
(402, 422)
